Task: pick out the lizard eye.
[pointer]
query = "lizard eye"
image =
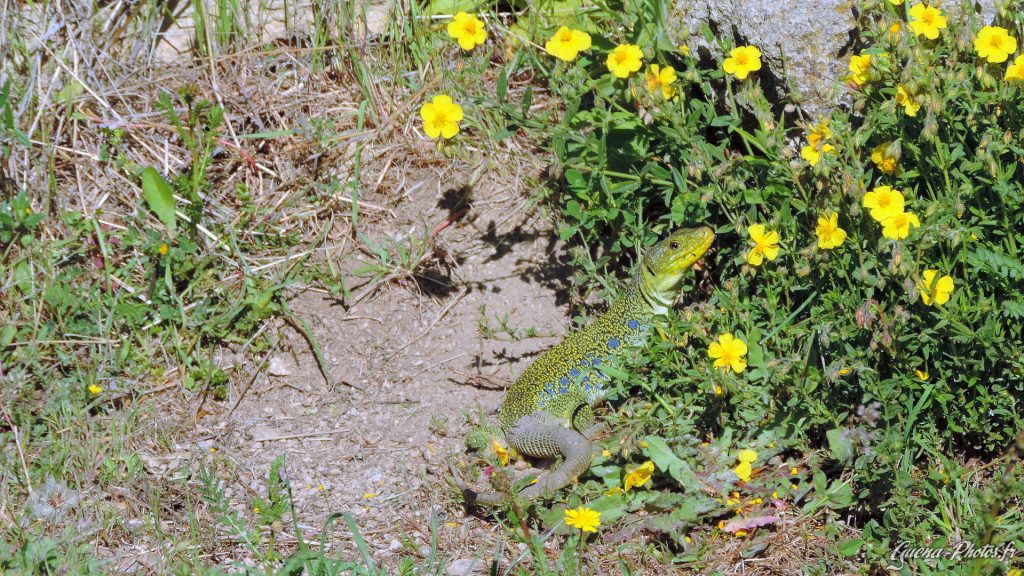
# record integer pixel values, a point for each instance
(674, 245)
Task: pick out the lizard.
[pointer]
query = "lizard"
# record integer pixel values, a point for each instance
(548, 410)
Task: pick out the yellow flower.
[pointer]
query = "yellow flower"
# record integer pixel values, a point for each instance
(818, 134)
(884, 202)
(586, 519)
(567, 44)
(162, 250)
(468, 30)
(500, 451)
(926, 21)
(728, 352)
(922, 374)
(897, 227)
(886, 156)
(639, 476)
(934, 292)
(624, 60)
(718, 390)
(747, 455)
(441, 117)
(684, 49)
(906, 99)
(1015, 71)
(742, 61)
(812, 155)
(370, 495)
(256, 509)
(663, 78)
(816, 145)
(94, 389)
(860, 69)
(743, 471)
(794, 471)
(894, 30)
(830, 235)
(995, 44)
(606, 453)
(766, 245)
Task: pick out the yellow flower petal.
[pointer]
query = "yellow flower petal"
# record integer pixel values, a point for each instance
(586, 519)
(742, 61)
(566, 44)
(441, 117)
(743, 471)
(1015, 71)
(624, 60)
(639, 475)
(884, 202)
(728, 353)
(926, 21)
(995, 44)
(830, 235)
(468, 30)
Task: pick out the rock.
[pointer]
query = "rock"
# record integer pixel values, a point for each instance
(263, 433)
(377, 15)
(466, 567)
(279, 367)
(807, 43)
(806, 40)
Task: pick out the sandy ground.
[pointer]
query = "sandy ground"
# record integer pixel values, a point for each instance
(377, 440)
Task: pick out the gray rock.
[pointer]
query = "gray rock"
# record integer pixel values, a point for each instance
(467, 567)
(808, 44)
(279, 367)
(802, 41)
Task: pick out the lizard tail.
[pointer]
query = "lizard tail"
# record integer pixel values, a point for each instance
(542, 439)
(549, 439)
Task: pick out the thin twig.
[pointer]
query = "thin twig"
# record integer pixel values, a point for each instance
(252, 380)
(304, 435)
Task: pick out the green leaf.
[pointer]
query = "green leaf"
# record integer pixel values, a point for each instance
(851, 547)
(666, 460)
(158, 195)
(840, 444)
(839, 495)
(502, 87)
(437, 7)
(7, 335)
(527, 100)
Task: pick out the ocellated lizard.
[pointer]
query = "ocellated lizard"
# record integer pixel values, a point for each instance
(548, 411)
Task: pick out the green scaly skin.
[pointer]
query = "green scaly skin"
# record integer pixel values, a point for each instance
(548, 411)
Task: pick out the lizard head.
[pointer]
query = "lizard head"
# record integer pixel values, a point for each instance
(666, 262)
